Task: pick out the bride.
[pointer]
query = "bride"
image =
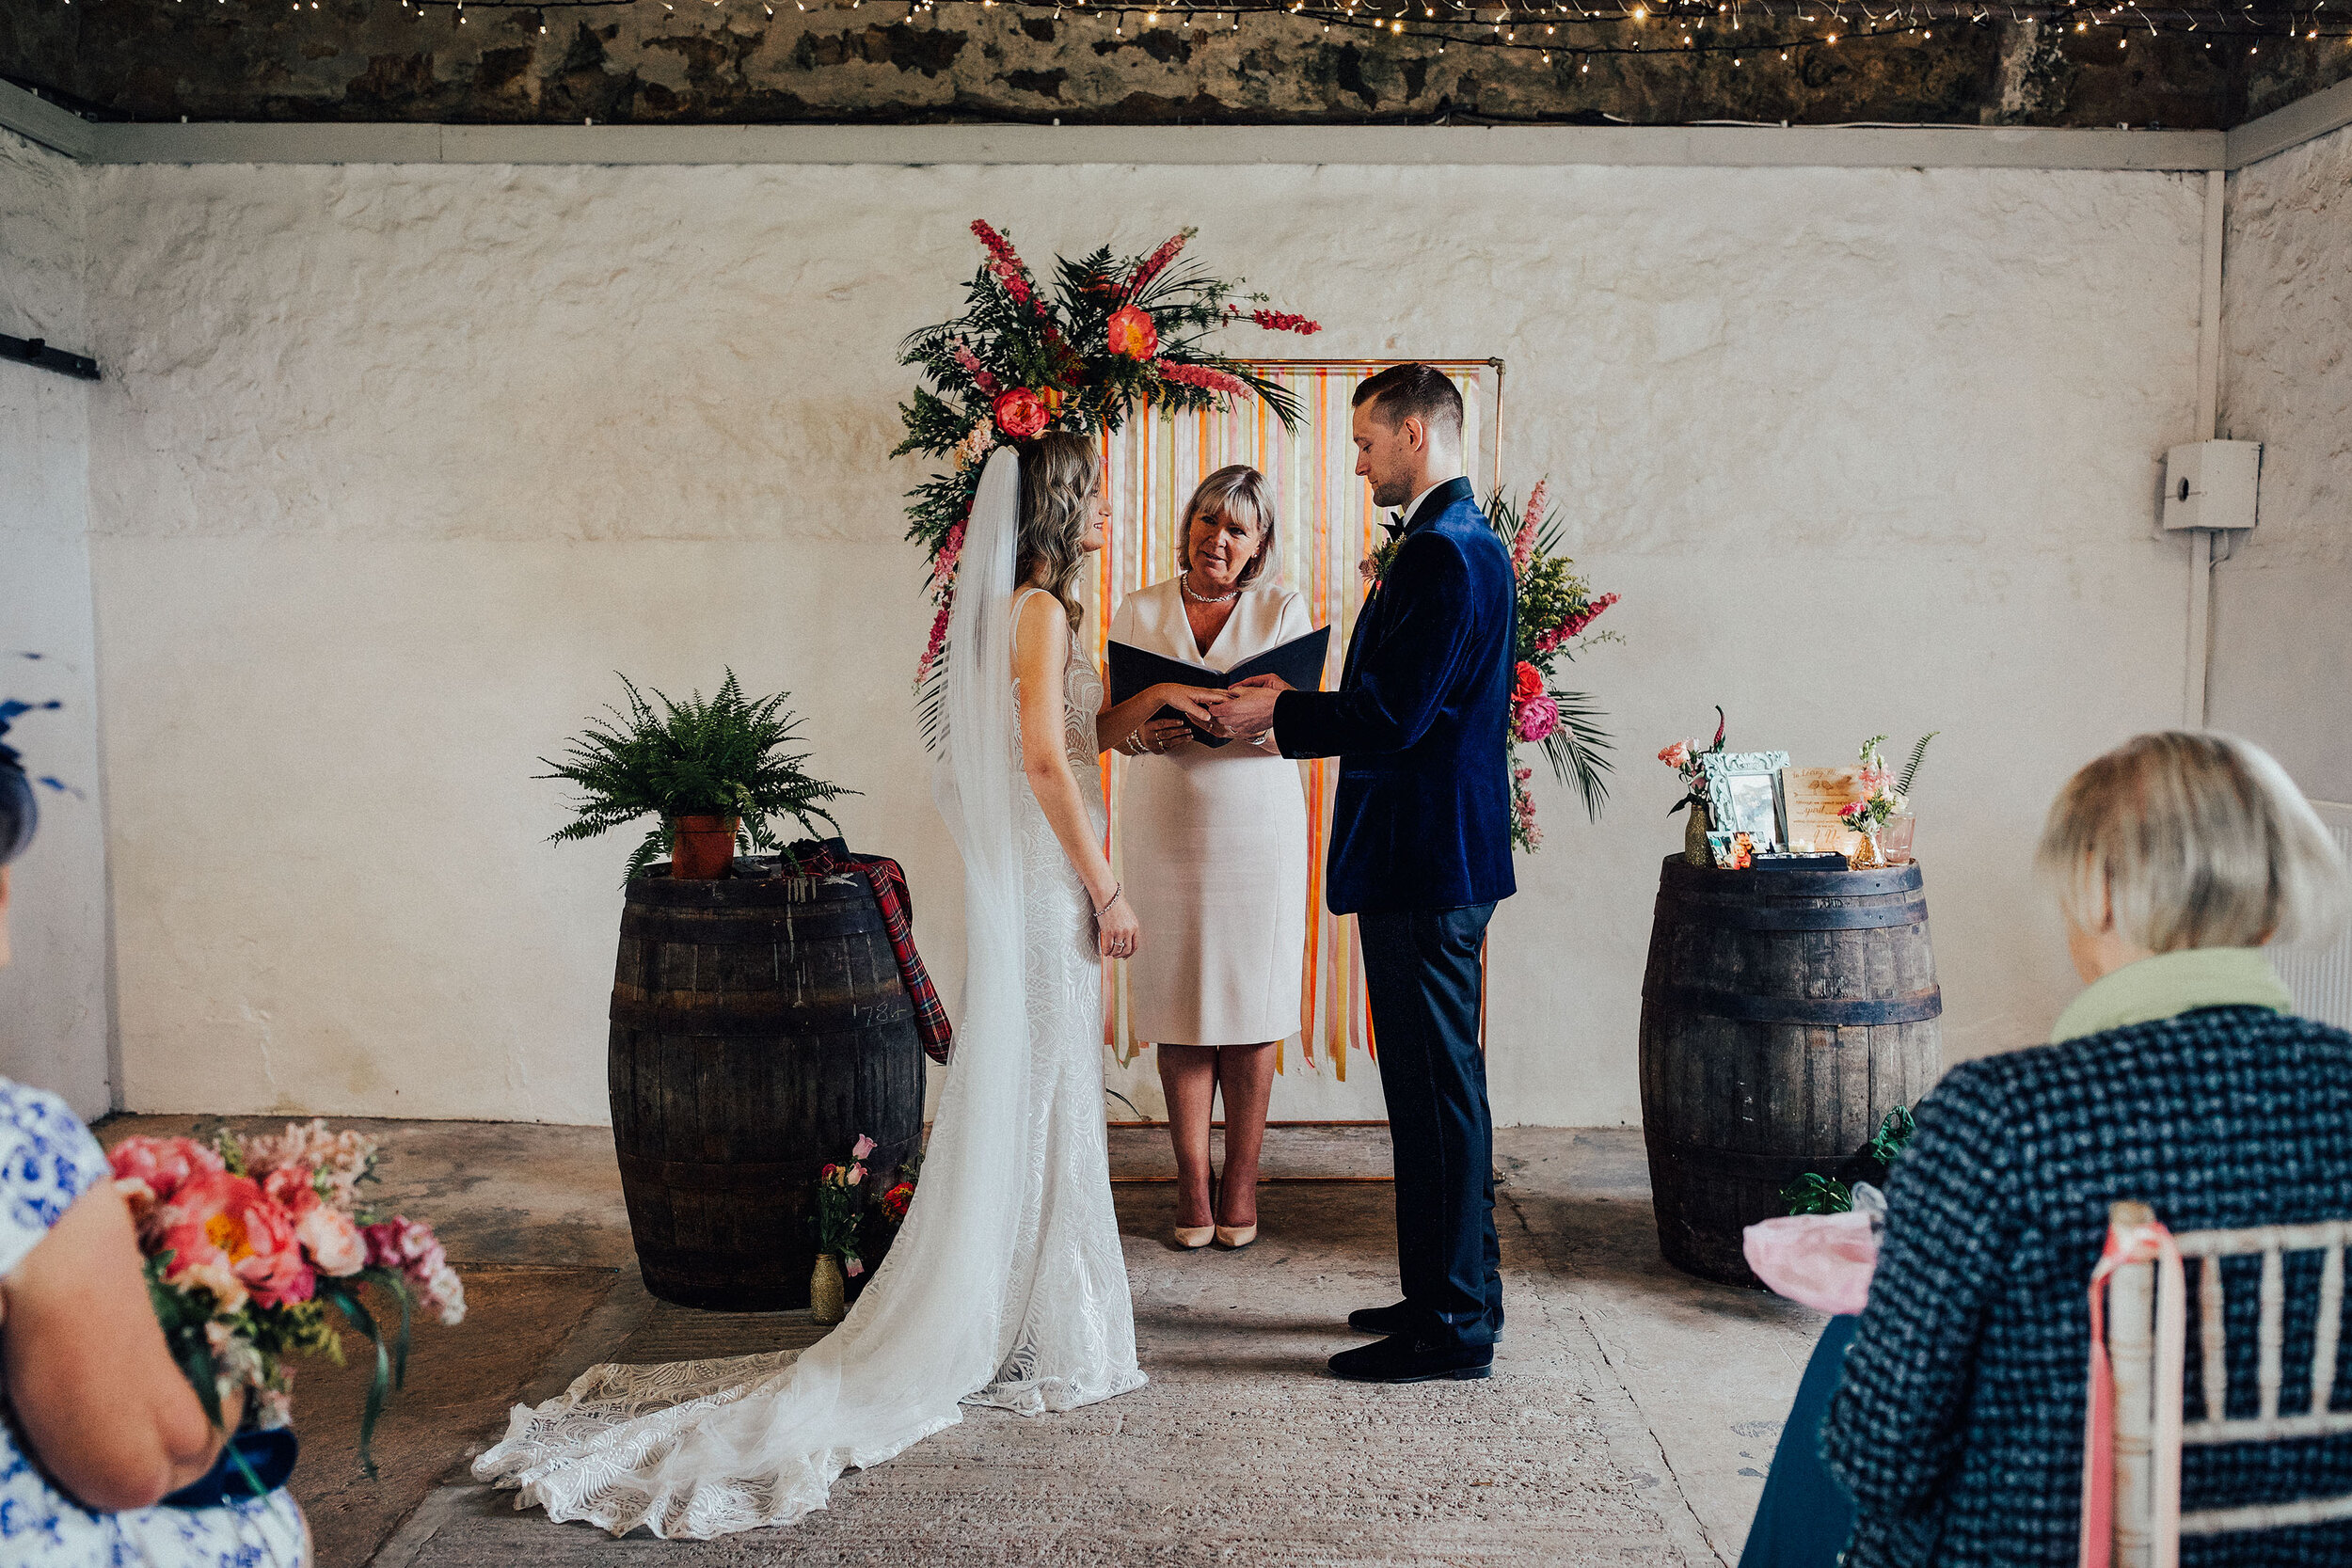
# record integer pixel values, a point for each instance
(1006, 1286)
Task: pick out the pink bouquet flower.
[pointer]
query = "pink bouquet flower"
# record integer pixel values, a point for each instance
(1537, 718)
(250, 1241)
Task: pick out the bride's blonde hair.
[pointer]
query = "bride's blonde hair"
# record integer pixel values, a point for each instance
(1056, 477)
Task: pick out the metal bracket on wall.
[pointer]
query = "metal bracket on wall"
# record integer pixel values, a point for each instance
(35, 351)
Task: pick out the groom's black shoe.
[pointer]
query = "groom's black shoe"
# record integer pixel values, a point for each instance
(1403, 1359)
(1399, 1320)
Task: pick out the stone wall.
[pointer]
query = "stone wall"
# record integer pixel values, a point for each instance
(398, 464)
(54, 1021)
(2283, 602)
(372, 60)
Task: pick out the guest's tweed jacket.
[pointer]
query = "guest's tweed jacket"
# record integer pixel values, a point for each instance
(1957, 1425)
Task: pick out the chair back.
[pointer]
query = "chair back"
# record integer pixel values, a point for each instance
(2134, 1455)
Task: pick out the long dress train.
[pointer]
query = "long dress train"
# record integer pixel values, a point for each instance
(1006, 1286)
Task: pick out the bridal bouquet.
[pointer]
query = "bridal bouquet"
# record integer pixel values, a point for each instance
(1075, 354)
(1556, 607)
(250, 1241)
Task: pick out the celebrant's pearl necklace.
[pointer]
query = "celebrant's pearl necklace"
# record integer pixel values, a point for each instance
(1184, 582)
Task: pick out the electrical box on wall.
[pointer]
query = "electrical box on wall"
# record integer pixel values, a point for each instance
(2212, 483)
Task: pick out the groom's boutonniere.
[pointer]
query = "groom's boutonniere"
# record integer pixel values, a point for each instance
(1374, 566)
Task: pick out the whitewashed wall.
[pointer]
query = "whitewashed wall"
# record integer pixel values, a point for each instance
(2283, 603)
(403, 461)
(52, 1000)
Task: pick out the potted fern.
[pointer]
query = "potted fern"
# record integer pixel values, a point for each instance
(713, 775)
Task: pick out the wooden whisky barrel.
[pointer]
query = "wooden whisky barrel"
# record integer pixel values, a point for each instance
(759, 1027)
(1784, 1013)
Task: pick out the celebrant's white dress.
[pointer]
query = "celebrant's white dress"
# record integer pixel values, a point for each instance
(1214, 848)
(1006, 1287)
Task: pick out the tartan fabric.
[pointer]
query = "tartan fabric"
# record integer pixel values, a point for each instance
(830, 859)
(1958, 1423)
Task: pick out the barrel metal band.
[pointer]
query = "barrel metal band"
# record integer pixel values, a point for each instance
(1779, 1169)
(1771, 917)
(1827, 1012)
(777, 1015)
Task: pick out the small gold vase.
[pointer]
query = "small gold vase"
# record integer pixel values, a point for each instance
(828, 1290)
(1695, 839)
(1866, 855)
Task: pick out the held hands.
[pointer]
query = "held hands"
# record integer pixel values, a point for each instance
(1246, 711)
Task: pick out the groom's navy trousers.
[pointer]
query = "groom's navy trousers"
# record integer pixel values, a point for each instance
(1420, 853)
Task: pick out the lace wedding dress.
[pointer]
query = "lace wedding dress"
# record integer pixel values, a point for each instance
(1006, 1286)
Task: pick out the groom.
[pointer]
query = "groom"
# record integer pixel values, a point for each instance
(1421, 851)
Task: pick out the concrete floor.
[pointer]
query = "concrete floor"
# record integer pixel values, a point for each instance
(1631, 1420)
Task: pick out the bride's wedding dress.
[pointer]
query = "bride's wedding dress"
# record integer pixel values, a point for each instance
(1006, 1286)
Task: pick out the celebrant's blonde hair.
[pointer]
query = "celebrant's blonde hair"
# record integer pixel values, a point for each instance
(1238, 491)
(2192, 841)
(1057, 476)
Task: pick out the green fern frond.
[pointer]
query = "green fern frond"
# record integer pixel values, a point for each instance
(1911, 768)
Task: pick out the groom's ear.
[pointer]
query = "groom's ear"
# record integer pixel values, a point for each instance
(1414, 432)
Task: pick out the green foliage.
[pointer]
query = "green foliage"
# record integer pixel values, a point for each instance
(182, 1316)
(1814, 1194)
(1911, 768)
(391, 1360)
(727, 758)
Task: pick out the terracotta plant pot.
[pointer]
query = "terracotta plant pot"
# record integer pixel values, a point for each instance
(702, 847)
(828, 1290)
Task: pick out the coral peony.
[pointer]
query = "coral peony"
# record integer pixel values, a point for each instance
(1537, 718)
(148, 1171)
(1527, 682)
(1021, 414)
(1677, 755)
(1132, 333)
(216, 1218)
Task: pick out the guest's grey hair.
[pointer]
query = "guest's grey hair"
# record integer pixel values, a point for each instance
(1240, 491)
(2192, 840)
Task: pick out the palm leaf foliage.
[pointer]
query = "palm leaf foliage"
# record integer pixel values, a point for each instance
(728, 756)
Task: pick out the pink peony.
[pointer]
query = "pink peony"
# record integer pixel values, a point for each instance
(148, 1171)
(1677, 755)
(215, 1219)
(1537, 718)
(330, 1236)
(1021, 414)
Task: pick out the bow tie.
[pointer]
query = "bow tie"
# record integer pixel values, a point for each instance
(1394, 524)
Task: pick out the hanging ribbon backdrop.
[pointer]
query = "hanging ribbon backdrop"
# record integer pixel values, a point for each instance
(1326, 523)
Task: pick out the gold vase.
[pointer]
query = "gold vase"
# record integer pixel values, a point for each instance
(1694, 838)
(828, 1290)
(1866, 855)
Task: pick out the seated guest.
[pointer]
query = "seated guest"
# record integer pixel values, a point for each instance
(100, 1424)
(1215, 840)
(2180, 1078)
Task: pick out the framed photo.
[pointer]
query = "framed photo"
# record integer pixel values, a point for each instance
(1743, 795)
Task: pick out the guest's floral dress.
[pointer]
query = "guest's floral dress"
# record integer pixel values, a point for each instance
(47, 1160)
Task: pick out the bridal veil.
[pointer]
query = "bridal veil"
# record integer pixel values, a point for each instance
(706, 1448)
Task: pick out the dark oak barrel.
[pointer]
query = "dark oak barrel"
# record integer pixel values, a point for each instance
(758, 1026)
(1784, 1013)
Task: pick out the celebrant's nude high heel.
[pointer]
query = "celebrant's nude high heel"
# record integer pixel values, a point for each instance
(1232, 1238)
(1192, 1238)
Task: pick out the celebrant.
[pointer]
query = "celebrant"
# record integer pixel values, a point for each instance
(1214, 845)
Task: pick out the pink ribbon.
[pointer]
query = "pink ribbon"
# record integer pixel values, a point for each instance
(2128, 1245)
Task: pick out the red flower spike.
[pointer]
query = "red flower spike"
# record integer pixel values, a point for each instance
(1282, 321)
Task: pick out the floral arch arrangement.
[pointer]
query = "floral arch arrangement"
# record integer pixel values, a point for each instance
(1111, 333)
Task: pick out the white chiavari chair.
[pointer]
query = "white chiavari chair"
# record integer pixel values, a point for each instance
(2146, 1353)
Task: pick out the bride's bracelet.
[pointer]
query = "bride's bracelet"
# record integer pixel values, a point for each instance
(1116, 889)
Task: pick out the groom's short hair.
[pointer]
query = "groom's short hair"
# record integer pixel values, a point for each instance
(1413, 392)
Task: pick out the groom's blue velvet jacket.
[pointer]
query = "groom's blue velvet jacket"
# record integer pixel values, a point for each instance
(1421, 819)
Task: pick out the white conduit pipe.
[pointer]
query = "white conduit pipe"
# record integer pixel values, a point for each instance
(2200, 556)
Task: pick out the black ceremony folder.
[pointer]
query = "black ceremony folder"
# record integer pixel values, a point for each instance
(1299, 662)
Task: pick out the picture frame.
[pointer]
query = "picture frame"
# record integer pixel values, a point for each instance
(1744, 796)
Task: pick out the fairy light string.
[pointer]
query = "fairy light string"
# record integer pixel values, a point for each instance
(1565, 35)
